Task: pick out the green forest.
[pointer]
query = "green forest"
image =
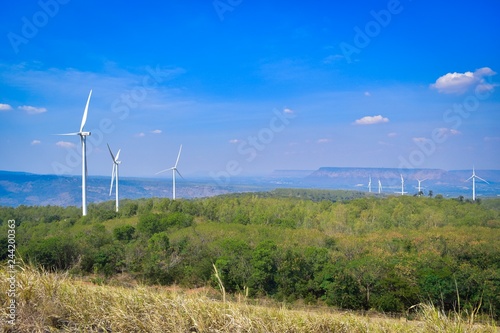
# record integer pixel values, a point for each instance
(339, 248)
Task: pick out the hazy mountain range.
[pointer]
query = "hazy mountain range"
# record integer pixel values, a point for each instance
(19, 188)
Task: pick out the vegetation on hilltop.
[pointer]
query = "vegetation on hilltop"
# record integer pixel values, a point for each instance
(383, 254)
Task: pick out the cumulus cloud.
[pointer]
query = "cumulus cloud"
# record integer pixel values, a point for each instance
(140, 135)
(459, 83)
(234, 141)
(367, 94)
(65, 144)
(32, 109)
(35, 142)
(371, 120)
(5, 107)
(324, 140)
(288, 111)
(157, 131)
(392, 134)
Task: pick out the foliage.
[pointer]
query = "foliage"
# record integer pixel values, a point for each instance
(364, 253)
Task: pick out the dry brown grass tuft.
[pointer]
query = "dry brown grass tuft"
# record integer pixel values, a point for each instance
(54, 302)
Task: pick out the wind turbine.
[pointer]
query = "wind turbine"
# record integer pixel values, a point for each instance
(473, 177)
(420, 181)
(83, 138)
(114, 174)
(379, 186)
(174, 170)
(402, 186)
(370, 184)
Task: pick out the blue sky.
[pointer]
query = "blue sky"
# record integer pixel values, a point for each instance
(249, 86)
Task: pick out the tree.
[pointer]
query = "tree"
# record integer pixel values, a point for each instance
(124, 233)
(149, 224)
(264, 268)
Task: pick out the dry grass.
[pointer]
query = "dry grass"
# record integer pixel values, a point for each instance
(49, 302)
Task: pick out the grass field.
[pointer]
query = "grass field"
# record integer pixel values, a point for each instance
(55, 302)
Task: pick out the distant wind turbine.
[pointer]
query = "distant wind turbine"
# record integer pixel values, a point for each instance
(420, 181)
(174, 170)
(402, 186)
(473, 177)
(370, 184)
(83, 138)
(114, 174)
(379, 186)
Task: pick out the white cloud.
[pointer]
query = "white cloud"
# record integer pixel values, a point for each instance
(5, 107)
(288, 111)
(492, 138)
(234, 141)
(324, 140)
(157, 131)
(367, 94)
(32, 109)
(459, 83)
(369, 120)
(65, 144)
(392, 134)
(35, 142)
(140, 135)
(420, 139)
(447, 131)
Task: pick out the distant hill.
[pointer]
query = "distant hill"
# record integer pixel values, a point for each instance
(450, 183)
(390, 175)
(21, 188)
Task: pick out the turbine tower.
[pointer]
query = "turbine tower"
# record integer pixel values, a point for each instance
(83, 138)
(419, 189)
(473, 177)
(174, 170)
(379, 186)
(114, 174)
(370, 184)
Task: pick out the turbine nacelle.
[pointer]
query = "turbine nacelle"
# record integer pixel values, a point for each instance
(84, 133)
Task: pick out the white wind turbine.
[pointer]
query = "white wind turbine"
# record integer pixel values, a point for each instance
(370, 184)
(83, 138)
(402, 186)
(473, 177)
(419, 188)
(114, 174)
(174, 170)
(379, 186)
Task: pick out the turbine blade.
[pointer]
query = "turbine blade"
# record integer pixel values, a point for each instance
(178, 156)
(179, 173)
(163, 171)
(112, 179)
(84, 119)
(68, 134)
(482, 179)
(117, 155)
(112, 156)
(469, 178)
